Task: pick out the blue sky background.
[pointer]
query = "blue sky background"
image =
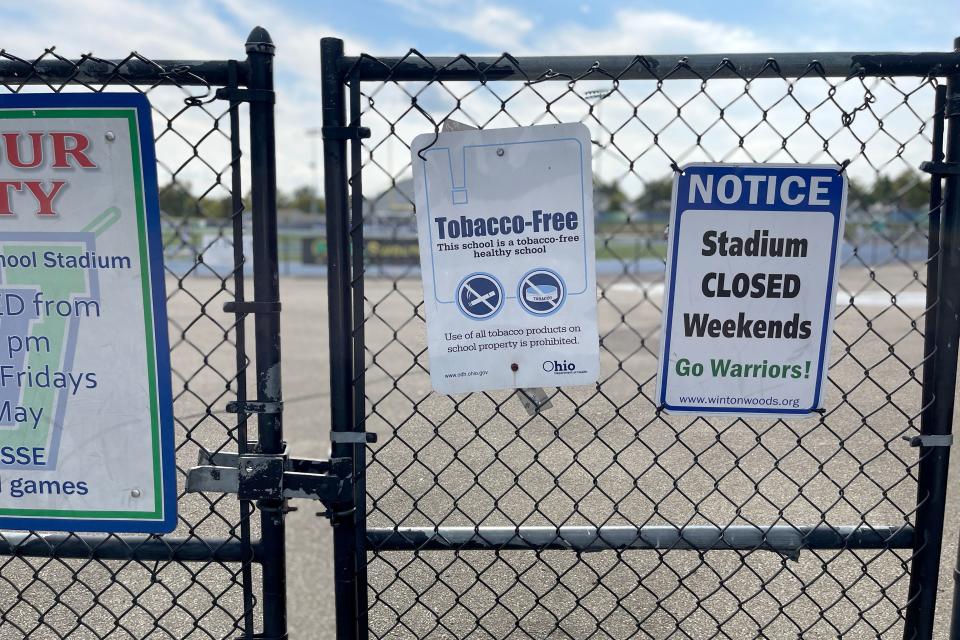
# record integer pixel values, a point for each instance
(198, 29)
(790, 25)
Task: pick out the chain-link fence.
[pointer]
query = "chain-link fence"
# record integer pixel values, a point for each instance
(602, 516)
(599, 516)
(198, 582)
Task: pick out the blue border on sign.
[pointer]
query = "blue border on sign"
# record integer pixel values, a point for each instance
(148, 165)
(675, 222)
(462, 186)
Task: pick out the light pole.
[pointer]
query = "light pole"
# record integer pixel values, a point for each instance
(597, 96)
(314, 133)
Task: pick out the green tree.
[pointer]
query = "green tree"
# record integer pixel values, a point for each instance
(858, 194)
(216, 208)
(609, 197)
(909, 191)
(176, 200)
(302, 199)
(656, 195)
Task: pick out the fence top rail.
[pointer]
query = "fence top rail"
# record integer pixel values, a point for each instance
(133, 70)
(415, 66)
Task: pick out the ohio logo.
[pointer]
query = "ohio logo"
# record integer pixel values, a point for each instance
(559, 366)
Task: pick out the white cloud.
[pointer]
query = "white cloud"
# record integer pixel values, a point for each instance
(500, 27)
(503, 28)
(634, 31)
(217, 29)
(193, 30)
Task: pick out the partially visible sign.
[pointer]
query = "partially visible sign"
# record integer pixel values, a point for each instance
(505, 224)
(751, 280)
(314, 250)
(86, 431)
(377, 251)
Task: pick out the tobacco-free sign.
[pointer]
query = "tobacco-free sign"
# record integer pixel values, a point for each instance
(505, 222)
(86, 433)
(751, 279)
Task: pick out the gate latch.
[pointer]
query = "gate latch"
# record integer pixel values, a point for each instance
(940, 169)
(259, 476)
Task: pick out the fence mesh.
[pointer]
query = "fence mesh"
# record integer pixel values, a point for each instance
(605, 455)
(54, 597)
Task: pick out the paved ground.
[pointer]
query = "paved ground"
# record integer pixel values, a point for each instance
(484, 460)
(492, 595)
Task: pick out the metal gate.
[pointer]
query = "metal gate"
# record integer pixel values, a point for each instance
(602, 516)
(206, 579)
(598, 516)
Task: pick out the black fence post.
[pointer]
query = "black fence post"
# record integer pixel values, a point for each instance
(266, 288)
(347, 589)
(952, 209)
(938, 421)
(359, 354)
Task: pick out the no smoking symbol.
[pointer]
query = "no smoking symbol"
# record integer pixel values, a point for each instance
(480, 296)
(541, 292)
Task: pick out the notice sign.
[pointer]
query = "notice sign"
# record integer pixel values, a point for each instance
(751, 280)
(505, 225)
(86, 433)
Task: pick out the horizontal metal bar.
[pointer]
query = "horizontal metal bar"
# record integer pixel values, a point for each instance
(125, 547)
(138, 72)
(733, 65)
(781, 538)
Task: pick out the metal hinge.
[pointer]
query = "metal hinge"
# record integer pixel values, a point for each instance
(930, 440)
(255, 406)
(940, 168)
(345, 133)
(246, 95)
(353, 437)
(245, 307)
(263, 476)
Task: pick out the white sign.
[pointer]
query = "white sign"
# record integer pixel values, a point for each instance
(86, 432)
(505, 221)
(751, 280)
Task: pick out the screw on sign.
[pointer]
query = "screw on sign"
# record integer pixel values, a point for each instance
(480, 296)
(541, 292)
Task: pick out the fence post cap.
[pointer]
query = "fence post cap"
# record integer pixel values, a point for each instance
(259, 41)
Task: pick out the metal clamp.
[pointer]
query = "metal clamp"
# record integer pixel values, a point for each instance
(345, 133)
(931, 440)
(354, 437)
(243, 306)
(255, 406)
(246, 95)
(940, 168)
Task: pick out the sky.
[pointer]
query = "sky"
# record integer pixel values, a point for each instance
(212, 29)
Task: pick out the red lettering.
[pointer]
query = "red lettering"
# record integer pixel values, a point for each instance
(12, 143)
(45, 200)
(61, 150)
(5, 186)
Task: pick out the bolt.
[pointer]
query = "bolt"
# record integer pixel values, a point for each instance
(500, 151)
(135, 493)
(249, 467)
(514, 367)
(110, 136)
